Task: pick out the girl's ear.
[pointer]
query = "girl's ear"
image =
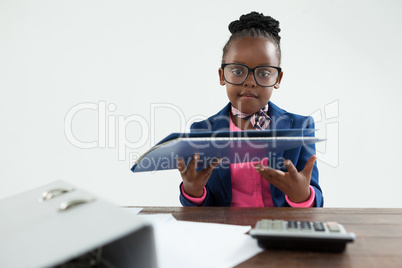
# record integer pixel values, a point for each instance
(221, 79)
(277, 85)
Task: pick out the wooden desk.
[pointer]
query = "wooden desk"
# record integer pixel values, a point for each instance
(378, 231)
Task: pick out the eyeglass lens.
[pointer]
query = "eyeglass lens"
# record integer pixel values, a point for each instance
(237, 74)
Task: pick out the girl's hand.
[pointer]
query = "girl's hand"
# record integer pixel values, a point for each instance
(194, 181)
(292, 183)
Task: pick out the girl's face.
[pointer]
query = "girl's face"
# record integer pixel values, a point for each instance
(250, 97)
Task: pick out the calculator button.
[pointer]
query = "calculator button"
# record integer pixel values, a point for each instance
(265, 224)
(305, 225)
(278, 225)
(292, 225)
(318, 226)
(333, 227)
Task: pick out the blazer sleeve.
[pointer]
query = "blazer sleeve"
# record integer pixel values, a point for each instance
(208, 202)
(197, 126)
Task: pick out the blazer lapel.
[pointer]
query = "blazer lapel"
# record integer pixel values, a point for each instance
(220, 121)
(279, 119)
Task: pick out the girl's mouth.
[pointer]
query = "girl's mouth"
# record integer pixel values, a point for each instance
(248, 95)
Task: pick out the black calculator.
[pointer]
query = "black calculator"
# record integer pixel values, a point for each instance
(302, 235)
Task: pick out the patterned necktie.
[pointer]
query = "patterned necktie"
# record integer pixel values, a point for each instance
(260, 120)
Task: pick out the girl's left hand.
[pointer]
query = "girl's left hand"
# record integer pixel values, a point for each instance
(292, 183)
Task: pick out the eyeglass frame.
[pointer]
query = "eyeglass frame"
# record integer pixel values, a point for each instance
(223, 65)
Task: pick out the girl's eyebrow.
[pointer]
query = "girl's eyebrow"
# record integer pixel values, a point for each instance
(240, 62)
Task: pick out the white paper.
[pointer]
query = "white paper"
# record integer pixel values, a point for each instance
(203, 245)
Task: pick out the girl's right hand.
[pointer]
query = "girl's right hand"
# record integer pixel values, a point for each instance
(194, 181)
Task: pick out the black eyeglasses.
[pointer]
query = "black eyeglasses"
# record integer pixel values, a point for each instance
(236, 74)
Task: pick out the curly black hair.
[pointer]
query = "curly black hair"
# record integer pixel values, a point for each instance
(254, 24)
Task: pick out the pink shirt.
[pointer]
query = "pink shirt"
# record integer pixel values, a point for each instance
(249, 188)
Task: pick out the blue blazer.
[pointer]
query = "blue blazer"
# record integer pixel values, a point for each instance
(219, 186)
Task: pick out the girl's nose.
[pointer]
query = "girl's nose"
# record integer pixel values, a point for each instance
(250, 81)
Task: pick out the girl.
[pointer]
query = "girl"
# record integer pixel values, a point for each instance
(250, 71)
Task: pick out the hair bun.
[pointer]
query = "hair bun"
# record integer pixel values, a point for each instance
(257, 21)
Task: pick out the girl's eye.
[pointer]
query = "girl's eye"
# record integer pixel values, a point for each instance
(264, 73)
(237, 71)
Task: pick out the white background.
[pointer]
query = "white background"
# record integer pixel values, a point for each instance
(341, 62)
